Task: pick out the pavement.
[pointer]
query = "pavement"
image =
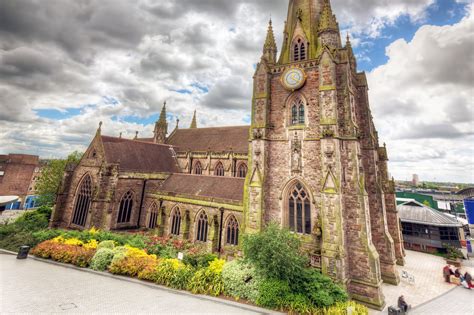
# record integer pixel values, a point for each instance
(38, 287)
(425, 286)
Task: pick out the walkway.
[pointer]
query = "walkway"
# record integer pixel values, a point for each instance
(31, 286)
(428, 283)
(458, 301)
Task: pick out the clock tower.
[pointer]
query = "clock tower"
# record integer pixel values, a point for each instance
(315, 164)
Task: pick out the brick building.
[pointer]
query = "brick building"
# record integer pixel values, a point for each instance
(18, 175)
(310, 160)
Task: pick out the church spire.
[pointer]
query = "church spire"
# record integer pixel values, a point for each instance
(270, 47)
(161, 127)
(328, 27)
(328, 20)
(194, 122)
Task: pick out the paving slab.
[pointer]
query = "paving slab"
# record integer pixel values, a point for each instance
(35, 287)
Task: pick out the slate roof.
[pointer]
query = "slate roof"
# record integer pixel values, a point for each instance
(139, 156)
(217, 139)
(209, 187)
(415, 212)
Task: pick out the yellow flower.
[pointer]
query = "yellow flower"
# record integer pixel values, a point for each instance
(216, 265)
(92, 244)
(58, 239)
(73, 241)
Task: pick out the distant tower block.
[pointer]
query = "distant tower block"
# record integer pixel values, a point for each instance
(416, 180)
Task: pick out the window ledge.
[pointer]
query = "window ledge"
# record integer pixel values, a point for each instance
(297, 127)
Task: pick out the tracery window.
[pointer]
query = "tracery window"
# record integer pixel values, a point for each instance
(242, 172)
(298, 113)
(176, 222)
(299, 210)
(202, 227)
(83, 202)
(125, 208)
(232, 231)
(299, 50)
(153, 216)
(198, 168)
(219, 170)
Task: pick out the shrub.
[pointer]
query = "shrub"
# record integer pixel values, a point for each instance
(298, 304)
(130, 261)
(198, 259)
(341, 309)
(208, 280)
(275, 253)
(240, 280)
(106, 244)
(273, 293)
(102, 259)
(173, 273)
(45, 235)
(149, 271)
(136, 241)
(65, 253)
(20, 232)
(320, 289)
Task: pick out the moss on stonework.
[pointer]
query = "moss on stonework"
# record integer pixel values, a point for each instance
(202, 203)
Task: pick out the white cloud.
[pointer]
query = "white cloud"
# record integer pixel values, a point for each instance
(423, 103)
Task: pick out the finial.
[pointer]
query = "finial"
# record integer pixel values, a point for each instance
(136, 135)
(99, 130)
(177, 123)
(120, 136)
(194, 121)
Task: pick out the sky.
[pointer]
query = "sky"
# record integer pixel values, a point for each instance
(67, 65)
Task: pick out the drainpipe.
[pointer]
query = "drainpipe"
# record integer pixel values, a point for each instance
(141, 203)
(220, 231)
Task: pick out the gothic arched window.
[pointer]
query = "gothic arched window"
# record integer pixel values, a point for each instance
(153, 216)
(232, 231)
(298, 112)
(299, 50)
(302, 51)
(242, 172)
(219, 170)
(296, 52)
(202, 227)
(125, 209)
(83, 202)
(176, 222)
(299, 210)
(198, 168)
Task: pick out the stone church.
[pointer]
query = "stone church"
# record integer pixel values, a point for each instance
(310, 160)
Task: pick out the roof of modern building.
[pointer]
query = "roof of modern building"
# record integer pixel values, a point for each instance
(140, 156)
(217, 139)
(209, 187)
(416, 212)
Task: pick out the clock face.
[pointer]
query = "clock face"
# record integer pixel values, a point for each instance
(293, 79)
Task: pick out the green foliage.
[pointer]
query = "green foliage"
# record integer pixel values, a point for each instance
(199, 260)
(208, 280)
(275, 253)
(102, 259)
(47, 234)
(320, 289)
(341, 309)
(106, 244)
(273, 293)
(51, 176)
(20, 232)
(240, 280)
(452, 252)
(136, 241)
(298, 304)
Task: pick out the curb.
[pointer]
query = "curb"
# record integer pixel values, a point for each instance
(151, 285)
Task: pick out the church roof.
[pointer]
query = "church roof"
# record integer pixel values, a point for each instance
(199, 186)
(217, 139)
(416, 212)
(139, 156)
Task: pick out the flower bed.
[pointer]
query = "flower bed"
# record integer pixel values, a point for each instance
(255, 279)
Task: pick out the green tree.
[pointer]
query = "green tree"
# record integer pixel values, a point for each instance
(275, 253)
(51, 176)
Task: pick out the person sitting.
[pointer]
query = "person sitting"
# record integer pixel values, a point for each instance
(447, 273)
(402, 304)
(468, 279)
